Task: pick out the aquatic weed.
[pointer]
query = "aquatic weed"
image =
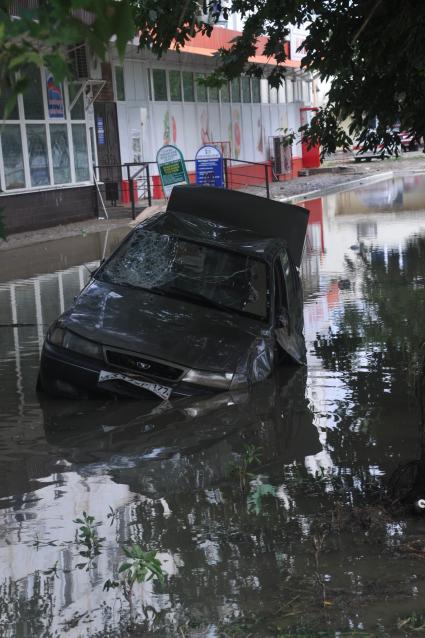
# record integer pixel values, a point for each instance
(88, 536)
(140, 566)
(241, 469)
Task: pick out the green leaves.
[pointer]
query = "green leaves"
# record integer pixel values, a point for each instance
(241, 469)
(43, 35)
(89, 538)
(141, 566)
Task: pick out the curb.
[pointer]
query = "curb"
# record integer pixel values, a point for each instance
(319, 192)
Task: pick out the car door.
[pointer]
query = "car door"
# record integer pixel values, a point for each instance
(289, 323)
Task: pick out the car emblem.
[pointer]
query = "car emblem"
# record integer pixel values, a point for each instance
(142, 365)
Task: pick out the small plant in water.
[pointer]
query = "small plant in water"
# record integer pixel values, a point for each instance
(241, 469)
(88, 536)
(255, 497)
(139, 567)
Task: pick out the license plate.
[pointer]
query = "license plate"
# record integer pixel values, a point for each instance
(161, 391)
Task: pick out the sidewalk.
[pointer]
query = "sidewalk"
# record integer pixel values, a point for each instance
(319, 183)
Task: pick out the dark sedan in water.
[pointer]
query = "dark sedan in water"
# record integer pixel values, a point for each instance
(202, 298)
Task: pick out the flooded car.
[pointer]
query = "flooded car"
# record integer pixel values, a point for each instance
(205, 297)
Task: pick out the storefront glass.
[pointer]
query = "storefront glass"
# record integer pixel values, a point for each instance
(225, 93)
(60, 154)
(246, 89)
(188, 86)
(201, 89)
(236, 90)
(175, 86)
(81, 162)
(159, 84)
(37, 154)
(13, 163)
(33, 98)
(77, 112)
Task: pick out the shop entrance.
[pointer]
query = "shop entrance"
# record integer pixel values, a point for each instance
(107, 140)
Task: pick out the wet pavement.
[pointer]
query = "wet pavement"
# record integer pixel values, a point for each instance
(306, 547)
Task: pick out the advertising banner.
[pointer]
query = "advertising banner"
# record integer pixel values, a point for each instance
(172, 168)
(209, 166)
(55, 103)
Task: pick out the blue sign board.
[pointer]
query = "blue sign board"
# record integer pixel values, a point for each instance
(100, 130)
(209, 166)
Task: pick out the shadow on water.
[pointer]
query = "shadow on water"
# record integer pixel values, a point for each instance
(303, 544)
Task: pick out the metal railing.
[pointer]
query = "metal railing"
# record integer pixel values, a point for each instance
(235, 178)
(120, 188)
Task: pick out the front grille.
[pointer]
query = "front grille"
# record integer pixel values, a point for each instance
(143, 366)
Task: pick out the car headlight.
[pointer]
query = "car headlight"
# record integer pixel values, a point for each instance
(209, 379)
(69, 340)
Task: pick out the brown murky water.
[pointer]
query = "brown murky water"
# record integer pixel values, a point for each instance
(306, 550)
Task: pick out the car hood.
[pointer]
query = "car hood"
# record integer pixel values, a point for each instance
(171, 329)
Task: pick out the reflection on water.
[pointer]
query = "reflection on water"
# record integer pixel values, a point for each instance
(326, 437)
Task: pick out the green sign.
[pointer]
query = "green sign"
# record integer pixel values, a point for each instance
(172, 169)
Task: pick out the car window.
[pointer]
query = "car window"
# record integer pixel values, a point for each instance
(207, 274)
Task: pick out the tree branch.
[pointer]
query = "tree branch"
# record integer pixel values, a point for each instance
(365, 23)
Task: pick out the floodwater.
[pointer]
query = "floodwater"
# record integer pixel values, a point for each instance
(306, 548)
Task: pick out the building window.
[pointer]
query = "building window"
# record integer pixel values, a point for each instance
(81, 161)
(246, 89)
(213, 94)
(175, 86)
(236, 90)
(119, 83)
(77, 111)
(13, 162)
(273, 95)
(4, 97)
(159, 85)
(149, 85)
(225, 93)
(43, 147)
(256, 91)
(33, 98)
(60, 154)
(188, 86)
(37, 155)
(201, 89)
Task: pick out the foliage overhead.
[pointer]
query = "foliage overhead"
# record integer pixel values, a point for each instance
(370, 51)
(43, 36)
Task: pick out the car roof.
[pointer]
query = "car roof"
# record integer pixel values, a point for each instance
(263, 217)
(206, 231)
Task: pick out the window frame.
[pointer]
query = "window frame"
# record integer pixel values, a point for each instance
(47, 122)
(167, 92)
(122, 69)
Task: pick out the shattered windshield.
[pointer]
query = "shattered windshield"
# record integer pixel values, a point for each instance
(166, 264)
